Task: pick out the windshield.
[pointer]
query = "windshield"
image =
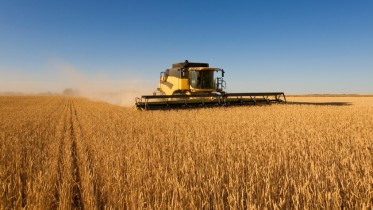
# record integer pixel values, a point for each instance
(202, 79)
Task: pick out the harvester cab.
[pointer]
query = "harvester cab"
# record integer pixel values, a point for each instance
(188, 85)
(190, 78)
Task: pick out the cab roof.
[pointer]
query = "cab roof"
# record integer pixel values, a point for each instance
(188, 64)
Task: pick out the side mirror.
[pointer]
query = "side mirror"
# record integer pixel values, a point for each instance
(222, 73)
(163, 76)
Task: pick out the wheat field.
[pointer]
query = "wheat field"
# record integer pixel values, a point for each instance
(73, 153)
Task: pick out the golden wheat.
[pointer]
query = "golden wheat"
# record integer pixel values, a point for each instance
(65, 153)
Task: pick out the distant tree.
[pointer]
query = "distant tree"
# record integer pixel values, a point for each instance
(69, 92)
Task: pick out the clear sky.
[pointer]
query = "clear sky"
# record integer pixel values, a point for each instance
(295, 46)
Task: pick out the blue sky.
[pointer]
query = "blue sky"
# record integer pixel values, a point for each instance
(295, 46)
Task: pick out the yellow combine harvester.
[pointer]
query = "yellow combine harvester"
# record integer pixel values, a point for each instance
(189, 85)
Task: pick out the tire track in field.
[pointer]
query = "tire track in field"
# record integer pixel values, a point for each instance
(75, 170)
(94, 181)
(68, 194)
(78, 184)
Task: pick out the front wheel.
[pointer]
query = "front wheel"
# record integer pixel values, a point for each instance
(178, 92)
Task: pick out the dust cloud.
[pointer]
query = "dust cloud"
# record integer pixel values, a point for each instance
(99, 87)
(65, 79)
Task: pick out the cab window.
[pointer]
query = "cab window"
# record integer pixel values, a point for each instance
(202, 79)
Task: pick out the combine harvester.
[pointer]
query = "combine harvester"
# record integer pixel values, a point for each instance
(194, 85)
